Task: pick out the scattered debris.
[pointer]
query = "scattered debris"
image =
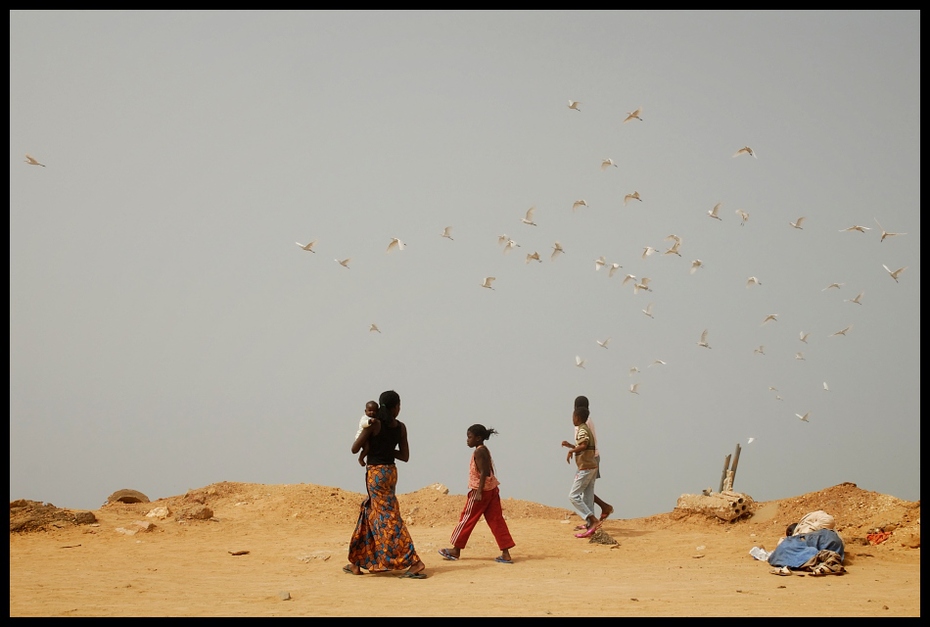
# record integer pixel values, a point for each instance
(877, 537)
(602, 537)
(727, 506)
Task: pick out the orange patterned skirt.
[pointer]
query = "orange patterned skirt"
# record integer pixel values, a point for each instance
(381, 541)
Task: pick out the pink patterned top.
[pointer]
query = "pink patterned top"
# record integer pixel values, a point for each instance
(474, 475)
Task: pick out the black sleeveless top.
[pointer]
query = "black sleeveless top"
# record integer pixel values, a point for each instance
(381, 446)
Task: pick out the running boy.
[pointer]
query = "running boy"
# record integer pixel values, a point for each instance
(582, 493)
(483, 499)
(606, 508)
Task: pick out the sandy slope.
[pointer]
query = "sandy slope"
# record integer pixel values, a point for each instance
(277, 550)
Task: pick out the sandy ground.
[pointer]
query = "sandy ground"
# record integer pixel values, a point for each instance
(278, 550)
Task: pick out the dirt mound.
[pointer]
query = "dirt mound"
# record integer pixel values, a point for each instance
(858, 512)
(38, 516)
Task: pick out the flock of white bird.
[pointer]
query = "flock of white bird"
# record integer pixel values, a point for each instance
(642, 284)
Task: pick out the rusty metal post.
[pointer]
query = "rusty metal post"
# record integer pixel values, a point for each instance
(735, 464)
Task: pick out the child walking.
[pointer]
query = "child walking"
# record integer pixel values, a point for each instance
(483, 499)
(582, 493)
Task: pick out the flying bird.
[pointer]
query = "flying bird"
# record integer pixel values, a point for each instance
(842, 331)
(703, 341)
(886, 233)
(307, 247)
(633, 196)
(446, 232)
(633, 370)
(770, 318)
(613, 268)
(673, 249)
(510, 245)
(833, 286)
(374, 327)
(648, 250)
(502, 239)
(579, 203)
(634, 388)
(750, 440)
(556, 251)
(826, 387)
(395, 244)
(533, 256)
(633, 115)
(487, 282)
(856, 299)
(803, 336)
(657, 362)
(745, 150)
(742, 216)
(856, 227)
(573, 104)
(713, 212)
(894, 273)
(579, 361)
(599, 263)
(760, 350)
(799, 356)
(344, 262)
(529, 216)
(606, 163)
(697, 263)
(804, 417)
(797, 224)
(628, 278)
(752, 281)
(32, 160)
(642, 285)
(648, 311)
(604, 343)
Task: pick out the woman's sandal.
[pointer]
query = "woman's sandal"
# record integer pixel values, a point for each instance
(408, 574)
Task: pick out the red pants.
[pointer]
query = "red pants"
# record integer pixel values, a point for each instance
(490, 507)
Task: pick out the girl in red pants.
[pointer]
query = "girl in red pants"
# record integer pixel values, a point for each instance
(483, 499)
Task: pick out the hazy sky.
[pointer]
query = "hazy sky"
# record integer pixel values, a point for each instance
(166, 332)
